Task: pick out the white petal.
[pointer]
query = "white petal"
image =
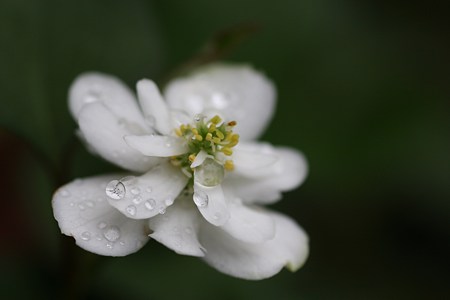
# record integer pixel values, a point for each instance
(254, 159)
(157, 145)
(287, 173)
(104, 133)
(234, 92)
(211, 204)
(108, 90)
(177, 229)
(82, 211)
(153, 106)
(199, 159)
(150, 194)
(249, 224)
(288, 248)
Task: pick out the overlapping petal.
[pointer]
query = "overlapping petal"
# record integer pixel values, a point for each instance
(288, 248)
(178, 228)
(150, 194)
(105, 132)
(82, 211)
(264, 183)
(234, 92)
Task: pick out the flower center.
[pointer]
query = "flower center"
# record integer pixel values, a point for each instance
(210, 145)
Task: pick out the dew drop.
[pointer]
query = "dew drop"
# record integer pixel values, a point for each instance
(101, 225)
(149, 189)
(115, 190)
(217, 216)
(122, 243)
(109, 245)
(169, 201)
(131, 210)
(98, 237)
(150, 204)
(137, 200)
(90, 204)
(162, 210)
(209, 173)
(200, 199)
(135, 190)
(64, 193)
(128, 180)
(81, 207)
(72, 204)
(112, 234)
(86, 236)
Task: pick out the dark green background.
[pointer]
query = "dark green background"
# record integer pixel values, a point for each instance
(363, 92)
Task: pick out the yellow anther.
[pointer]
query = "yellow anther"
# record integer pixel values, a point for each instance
(208, 136)
(198, 137)
(227, 151)
(182, 128)
(219, 134)
(216, 120)
(194, 131)
(229, 165)
(191, 157)
(212, 128)
(216, 140)
(178, 132)
(232, 123)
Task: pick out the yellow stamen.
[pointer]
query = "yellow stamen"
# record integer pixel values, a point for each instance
(178, 132)
(232, 123)
(212, 128)
(194, 131)
(216, 140)
(229, 165)
(216, 120)
(198, 137)
(227, 151)
(191, 157)
(208, 136)
(219, 134)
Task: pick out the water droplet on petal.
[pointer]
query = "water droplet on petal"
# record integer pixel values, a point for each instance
(109, 245)
(81, 207)
(115, 190)
(122, 243)
(131, 210)
(150, 204)
(149, 189)
(209, 173)
(217, 216)
(137, 200)
(101, 225)
(64, 193)
(200, 199)
(90, 204)
(86, 236)
(112, 234)
(162, 210)
(135, 190)
(72, 204)
(169, 201)
(98, 237)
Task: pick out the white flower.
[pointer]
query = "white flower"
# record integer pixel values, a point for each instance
(201, 184)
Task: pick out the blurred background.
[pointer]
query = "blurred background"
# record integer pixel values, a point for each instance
(363, 91)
